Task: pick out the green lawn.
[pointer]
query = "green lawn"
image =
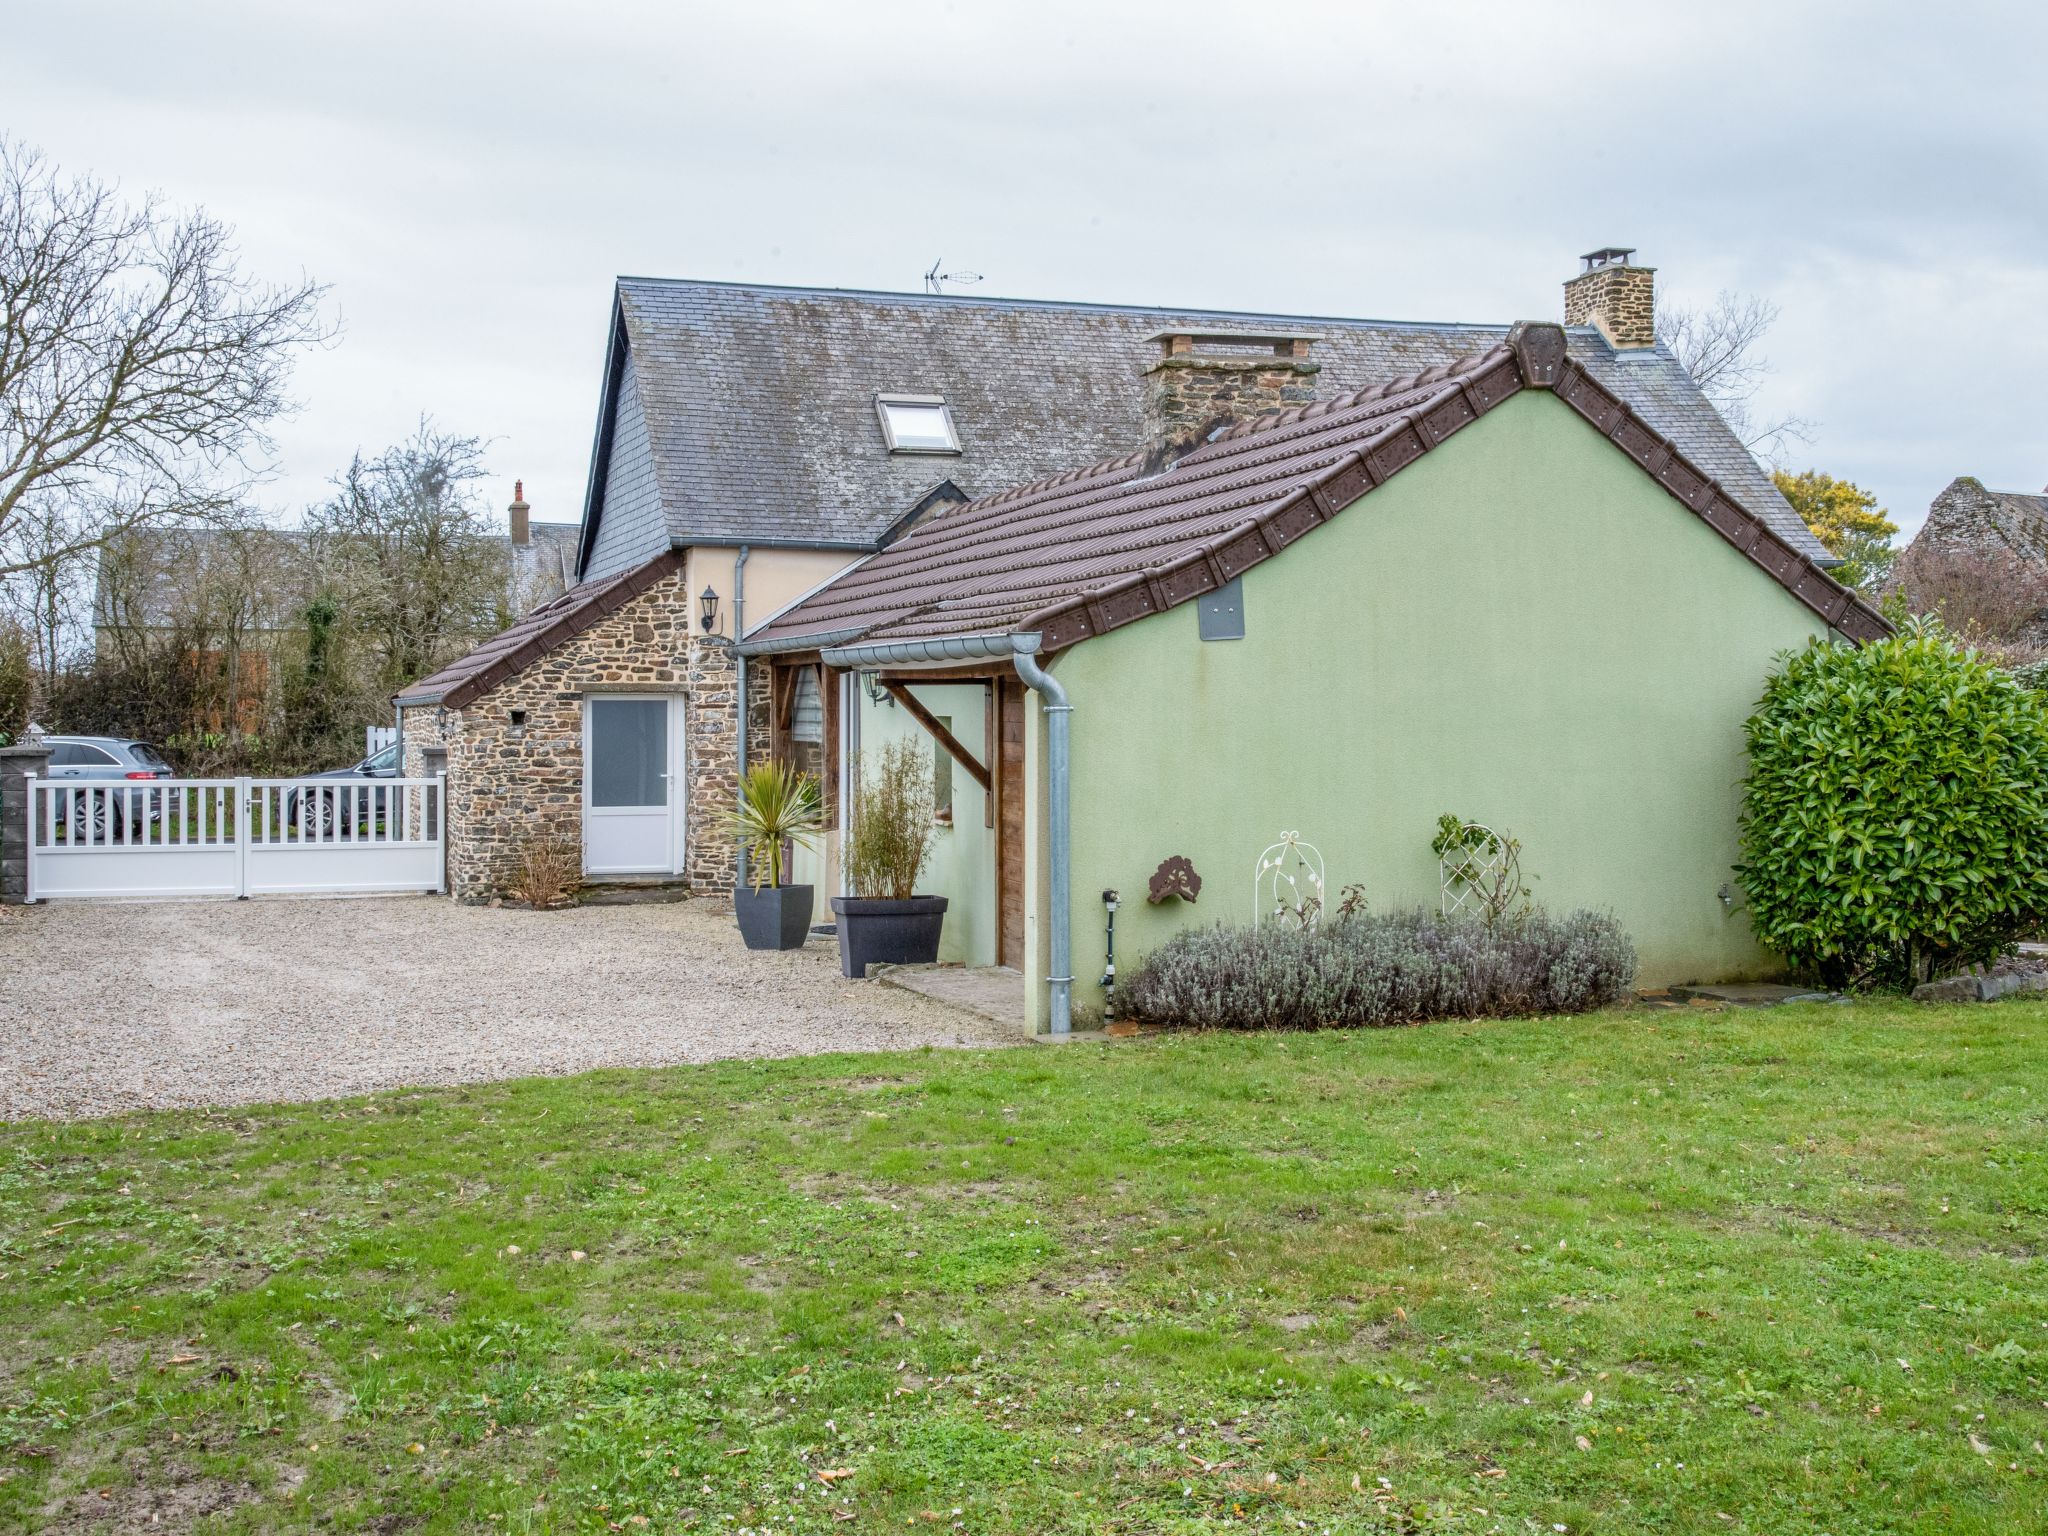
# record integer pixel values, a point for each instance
(1644, 1271)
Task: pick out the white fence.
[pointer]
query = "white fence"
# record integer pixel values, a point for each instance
(377, 737)
(233, 837)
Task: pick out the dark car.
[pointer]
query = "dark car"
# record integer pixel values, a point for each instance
(348, 811)
(106, 760)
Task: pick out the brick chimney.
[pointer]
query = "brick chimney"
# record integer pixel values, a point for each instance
(1204, 380)
(1616, 295)
(522, 524)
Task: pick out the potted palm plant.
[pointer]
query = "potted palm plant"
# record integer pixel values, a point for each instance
(778, 808)
(887, 845)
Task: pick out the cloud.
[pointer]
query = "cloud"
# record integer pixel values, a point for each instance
(470, 178)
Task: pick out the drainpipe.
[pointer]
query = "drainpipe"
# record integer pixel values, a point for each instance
(1056, 710)
(739, 633)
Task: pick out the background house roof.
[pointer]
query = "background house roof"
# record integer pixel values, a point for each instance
(151, 578)
(1968, 517)
(1093, 549)
(758, 402)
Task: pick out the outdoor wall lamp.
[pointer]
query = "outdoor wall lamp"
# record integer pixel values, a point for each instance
(708, 607)
(877, 694)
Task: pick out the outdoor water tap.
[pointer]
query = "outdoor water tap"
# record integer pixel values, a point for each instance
(1110, 903)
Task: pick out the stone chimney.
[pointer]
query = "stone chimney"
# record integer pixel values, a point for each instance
(1204, 380)
(1616, 295)
(522, 516)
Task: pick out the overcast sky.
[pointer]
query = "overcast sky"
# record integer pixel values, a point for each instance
(470, 178)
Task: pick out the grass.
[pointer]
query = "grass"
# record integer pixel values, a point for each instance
(1673, 1272)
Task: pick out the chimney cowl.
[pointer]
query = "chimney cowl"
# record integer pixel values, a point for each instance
(1205, 380)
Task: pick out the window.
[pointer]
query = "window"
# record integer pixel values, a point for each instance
(916, 424)
(942, 778)
(385, 761)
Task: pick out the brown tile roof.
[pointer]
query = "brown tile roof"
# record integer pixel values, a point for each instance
(1096, 548)
(513, 650)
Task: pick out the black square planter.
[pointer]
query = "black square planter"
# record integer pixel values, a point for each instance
(877, 931)
(774, 917)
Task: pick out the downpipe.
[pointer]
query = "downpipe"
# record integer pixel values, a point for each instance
(1057, 711)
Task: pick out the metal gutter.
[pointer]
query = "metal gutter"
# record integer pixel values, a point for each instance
(819, 640)
(939, 651)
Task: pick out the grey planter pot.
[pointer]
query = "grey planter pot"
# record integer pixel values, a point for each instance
(774, 917)
(877, 931)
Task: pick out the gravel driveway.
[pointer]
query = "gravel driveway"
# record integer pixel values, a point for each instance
(108, 1007)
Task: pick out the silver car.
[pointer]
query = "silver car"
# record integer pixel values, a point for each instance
(104, 759)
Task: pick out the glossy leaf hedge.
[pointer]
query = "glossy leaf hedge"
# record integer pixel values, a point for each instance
(1895, 817)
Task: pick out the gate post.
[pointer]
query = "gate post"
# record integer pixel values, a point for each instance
(20, 766)
(242, 839)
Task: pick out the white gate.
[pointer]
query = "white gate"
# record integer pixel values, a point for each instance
(233, 837)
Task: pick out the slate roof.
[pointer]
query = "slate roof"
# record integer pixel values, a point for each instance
(758, 401)
(512, 650)
(1969, 516)
(1090, 550)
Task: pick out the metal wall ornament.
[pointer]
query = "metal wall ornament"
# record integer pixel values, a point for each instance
(1288, 883)
(1175, 880)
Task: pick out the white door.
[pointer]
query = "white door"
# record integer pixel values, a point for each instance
(632, 806)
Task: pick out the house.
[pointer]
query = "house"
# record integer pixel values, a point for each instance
(2003, 527)
(761, 447)
(1981, 561)
(246, 582)
(1495, 587)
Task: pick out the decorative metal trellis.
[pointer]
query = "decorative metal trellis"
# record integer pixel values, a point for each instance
(1288, 883)
(1481, 872)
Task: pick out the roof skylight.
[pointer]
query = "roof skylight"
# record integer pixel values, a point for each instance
(916, 424)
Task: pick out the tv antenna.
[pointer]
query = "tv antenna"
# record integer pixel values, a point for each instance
(935, 281)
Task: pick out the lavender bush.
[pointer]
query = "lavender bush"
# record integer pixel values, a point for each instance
(1395, 968)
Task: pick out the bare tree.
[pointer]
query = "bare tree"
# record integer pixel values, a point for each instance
(1719, 346)
(139, 366)
(410, 557)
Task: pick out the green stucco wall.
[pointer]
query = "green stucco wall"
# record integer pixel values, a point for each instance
(1521, 628)
(963, 861)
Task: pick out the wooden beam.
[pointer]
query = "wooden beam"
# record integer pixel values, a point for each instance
(966, 672)
(939, 733)
(828, 697)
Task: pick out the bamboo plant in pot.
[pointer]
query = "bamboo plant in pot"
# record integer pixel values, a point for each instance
(884, 921)
(778, 808)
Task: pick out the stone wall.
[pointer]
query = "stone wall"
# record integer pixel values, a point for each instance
(515, 754)
(710, 735)
(1620, 299)
(419, 729)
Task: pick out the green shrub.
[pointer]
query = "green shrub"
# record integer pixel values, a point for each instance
(16, 682)
(1367, 969)
(1895, 817)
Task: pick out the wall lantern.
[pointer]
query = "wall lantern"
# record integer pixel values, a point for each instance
(708, 607)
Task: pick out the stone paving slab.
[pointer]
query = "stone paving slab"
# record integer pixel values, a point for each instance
(993, 992)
